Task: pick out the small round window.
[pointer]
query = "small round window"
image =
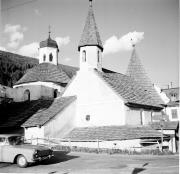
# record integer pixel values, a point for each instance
(87, 117)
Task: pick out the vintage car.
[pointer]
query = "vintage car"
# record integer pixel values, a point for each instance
(14, 150)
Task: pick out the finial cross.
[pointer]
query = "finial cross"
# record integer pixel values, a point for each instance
(49, 30)
(90, 3)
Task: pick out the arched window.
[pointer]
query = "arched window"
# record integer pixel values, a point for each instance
(50, 57)
(55, 93)
(98, 56)
(84, 56)
(44, 57)
(27, 95)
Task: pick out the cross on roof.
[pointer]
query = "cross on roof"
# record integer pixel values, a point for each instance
(90, 2)
(49, 30)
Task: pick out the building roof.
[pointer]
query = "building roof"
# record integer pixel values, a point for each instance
(43, 115)
(136, 71)
(131, 91)
(16, 113)
(90, 35)
(173, 95)
(170, 91)
(110, 133)
(69, 70)
(49, 43)
(45, 72)
(167, 125)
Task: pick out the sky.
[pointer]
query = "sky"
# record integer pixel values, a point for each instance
(153, 25)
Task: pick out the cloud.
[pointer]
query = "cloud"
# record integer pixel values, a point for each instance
(62, 40)
(3, 48)
(114, 45)
(30, 50)
(37, 12)
(16, 34)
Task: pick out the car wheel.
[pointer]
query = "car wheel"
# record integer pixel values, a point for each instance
(21, 161)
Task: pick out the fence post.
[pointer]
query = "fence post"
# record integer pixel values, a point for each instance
(48, 142)
(70, 143)
(98, 144)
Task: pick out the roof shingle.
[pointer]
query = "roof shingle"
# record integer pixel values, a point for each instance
(108, 133)
(129, 89)
(90, 35)
(136, 71)
(45, 114)
(45, 72)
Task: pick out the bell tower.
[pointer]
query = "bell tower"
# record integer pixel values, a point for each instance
(48, 51)
(90, 45)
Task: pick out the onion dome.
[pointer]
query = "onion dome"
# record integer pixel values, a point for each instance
(49, 43)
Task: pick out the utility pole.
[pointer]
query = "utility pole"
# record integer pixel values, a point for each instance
(162, 125)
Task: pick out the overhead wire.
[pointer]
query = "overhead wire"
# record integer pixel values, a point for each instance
(17, 5)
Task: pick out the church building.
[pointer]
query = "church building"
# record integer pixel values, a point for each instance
(89, 103)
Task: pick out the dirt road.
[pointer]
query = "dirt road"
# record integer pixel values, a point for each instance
(75, 162)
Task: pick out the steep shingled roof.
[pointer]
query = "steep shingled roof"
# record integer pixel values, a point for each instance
(129, 89)
(45, 72)
(110, 133)
(69, 70)
(44, 115)
(90, 35)
(16, 113)
(136, 71)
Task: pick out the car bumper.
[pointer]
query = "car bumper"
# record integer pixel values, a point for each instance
(42, 158)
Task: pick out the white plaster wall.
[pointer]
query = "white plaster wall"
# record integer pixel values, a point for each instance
(133, 117)
(161, 94)
(168, 112)
(97, 99)
(62, 123)
(37, 90)
(91, 58)
(123, 144)
(30, 134)
(147, 117)
(47, 51)
(48, 84)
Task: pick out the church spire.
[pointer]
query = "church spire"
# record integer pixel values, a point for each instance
(136, 71)
(135, 68)
(90, 35)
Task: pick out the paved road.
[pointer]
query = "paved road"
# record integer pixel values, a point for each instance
(75, 163)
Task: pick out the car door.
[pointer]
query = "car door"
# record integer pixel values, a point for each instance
(2, 144)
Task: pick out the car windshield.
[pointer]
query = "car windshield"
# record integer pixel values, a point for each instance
(15, 140)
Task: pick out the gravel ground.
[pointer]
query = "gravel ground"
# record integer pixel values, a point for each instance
(76, 162)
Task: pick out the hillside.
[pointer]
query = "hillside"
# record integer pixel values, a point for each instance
(13, 66)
